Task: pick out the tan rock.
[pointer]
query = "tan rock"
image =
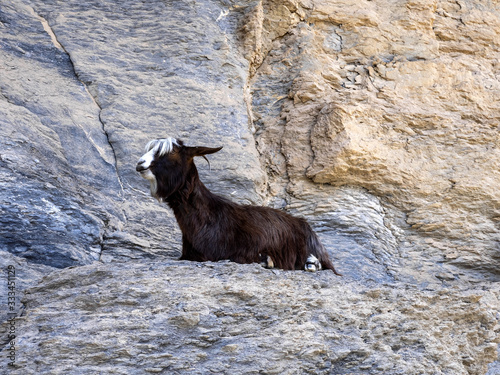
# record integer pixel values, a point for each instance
(396, 109)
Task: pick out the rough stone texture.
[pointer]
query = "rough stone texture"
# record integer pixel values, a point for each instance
(172, 317)
(386, 97)
(58, 177)
(378, 121)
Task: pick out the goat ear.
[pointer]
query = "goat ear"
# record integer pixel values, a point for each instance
(201, 151)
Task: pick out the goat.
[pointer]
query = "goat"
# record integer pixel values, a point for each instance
(214, 228)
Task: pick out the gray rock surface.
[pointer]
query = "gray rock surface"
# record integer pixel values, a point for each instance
(310, 100)
(158, 317)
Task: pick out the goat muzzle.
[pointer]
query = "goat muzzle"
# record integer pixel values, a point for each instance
(140, 166)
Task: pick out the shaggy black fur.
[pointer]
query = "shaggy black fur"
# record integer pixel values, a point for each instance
(214, 228)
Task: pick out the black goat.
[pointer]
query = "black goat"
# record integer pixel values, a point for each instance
(214, 228)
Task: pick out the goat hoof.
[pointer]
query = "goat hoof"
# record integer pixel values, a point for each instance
(267, 263)
(312, 264)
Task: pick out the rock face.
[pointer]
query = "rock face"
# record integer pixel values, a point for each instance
(157, 317)
(378, 121)
(387, 98)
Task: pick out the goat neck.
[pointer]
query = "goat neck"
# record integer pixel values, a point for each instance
(192, 201)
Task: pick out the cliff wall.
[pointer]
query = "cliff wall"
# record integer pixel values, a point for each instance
(378, 121)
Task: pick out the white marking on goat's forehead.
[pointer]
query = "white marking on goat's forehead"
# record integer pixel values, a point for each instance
(161, 146)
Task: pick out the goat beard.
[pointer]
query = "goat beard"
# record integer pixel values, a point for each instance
(162, 189)
(153, 188)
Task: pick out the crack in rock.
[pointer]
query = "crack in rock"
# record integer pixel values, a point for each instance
(61, 47)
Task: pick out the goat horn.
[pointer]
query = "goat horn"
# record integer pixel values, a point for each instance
(209, 167)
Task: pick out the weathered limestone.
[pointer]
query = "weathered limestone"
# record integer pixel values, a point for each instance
(378, 96)
(176, 317)
(378, 121)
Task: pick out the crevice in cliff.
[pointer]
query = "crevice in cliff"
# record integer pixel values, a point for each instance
(257, 39)
(106, 134)
(110, 158)
(259, 35)
(61, 47)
